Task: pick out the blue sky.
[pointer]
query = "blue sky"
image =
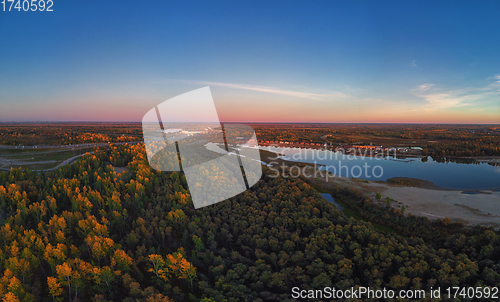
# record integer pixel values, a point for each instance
(280, 61)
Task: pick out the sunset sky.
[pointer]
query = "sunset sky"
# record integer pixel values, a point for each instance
(265, 61)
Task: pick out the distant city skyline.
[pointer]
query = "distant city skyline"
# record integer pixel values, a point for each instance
(280, 61)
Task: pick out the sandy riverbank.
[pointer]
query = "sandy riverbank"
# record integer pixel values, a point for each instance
(471, 208)
(479, 208)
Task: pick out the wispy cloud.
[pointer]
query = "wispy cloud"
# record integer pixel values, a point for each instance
(323, 96)
(413, 63)
(423, 87)
(475, 97)
(439, 101)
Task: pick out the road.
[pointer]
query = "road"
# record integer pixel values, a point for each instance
(66, 162)
(69, 160)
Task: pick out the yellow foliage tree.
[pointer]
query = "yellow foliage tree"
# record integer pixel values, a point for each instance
(55, 289)
(175, 265)
(10, 297)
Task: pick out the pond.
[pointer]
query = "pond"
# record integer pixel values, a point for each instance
(329, 198)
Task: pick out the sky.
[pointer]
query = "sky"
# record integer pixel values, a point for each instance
(264, 61)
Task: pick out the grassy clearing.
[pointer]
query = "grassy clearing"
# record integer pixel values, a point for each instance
(23, 151)
(42, 160)
(37, 166)
(13, 153)
(54, 155)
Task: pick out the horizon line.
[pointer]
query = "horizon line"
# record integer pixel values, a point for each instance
(250, 122)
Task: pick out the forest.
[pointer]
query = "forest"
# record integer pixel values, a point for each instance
(437, 141)
(26, 134)
(110, 228)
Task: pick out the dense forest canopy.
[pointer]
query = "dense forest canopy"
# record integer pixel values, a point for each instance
(87, 232)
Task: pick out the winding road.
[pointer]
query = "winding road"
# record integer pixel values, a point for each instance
(68, 161)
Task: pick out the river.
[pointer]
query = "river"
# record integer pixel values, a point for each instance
(461, 176)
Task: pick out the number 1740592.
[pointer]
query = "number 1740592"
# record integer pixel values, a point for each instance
(27, 5)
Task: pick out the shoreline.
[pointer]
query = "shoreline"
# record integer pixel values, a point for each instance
(429, 185)
(419, 197)
(398, 180)
(488, 159)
